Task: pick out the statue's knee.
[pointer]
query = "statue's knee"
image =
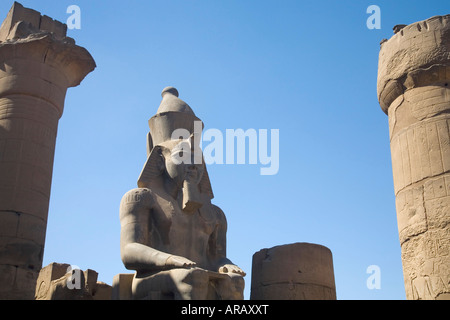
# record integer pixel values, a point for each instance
(191, 277)
(230, 287)
(190, 283)
(238, 282)
(237, 285)
(196, 277)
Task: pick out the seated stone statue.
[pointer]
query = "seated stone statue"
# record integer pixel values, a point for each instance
(171, 233)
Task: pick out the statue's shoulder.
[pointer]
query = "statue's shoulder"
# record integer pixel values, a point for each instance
(219, 212)
(138, 196)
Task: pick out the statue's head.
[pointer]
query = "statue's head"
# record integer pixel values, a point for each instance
(175, 157)
(179, 161)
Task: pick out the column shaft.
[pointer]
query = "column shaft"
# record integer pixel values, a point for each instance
(37, 65)
(413, 88)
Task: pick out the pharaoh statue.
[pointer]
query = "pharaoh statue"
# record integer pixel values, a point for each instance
(171, 233)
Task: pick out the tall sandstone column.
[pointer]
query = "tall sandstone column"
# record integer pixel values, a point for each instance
(413, 90)
(37, 65)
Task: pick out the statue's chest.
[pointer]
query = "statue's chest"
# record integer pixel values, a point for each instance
(183, 226)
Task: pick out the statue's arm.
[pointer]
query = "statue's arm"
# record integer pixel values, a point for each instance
(218, 244)
(218, 240)
(135, 247)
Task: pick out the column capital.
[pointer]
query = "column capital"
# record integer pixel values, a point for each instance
(417, 55)
(38, 59)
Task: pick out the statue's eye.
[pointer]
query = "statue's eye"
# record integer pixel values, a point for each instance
(180, 154)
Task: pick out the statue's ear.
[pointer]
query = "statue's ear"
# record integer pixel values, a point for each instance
(153, 167)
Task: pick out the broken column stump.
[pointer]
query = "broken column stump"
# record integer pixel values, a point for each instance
(299, 271)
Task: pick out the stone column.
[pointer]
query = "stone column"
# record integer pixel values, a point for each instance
(413, 90)
(37, 65)
(299, 271)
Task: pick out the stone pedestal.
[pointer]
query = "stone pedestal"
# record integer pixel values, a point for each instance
(413, 89)
(299, 271)
(38, 64)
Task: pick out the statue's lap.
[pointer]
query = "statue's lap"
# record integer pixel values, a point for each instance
(193, 283)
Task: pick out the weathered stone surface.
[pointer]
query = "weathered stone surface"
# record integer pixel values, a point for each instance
(171, 233)
(121, 287)
(58, 281)
(413, 89)
(38, 65)
(103, 291)
(299, 271)
(15, 282)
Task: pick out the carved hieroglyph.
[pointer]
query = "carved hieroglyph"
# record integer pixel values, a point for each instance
(37, 65)
(171, 233)
(413, 89)
(298, 271)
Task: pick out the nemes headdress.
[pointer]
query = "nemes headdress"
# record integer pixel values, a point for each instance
(173, 113)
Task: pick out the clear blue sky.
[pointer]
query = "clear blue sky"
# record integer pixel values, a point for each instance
(307, 68)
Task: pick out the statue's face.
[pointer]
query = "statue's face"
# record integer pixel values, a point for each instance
(180, 164)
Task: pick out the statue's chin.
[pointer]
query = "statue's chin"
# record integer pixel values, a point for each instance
(191, 197)
(191, 206)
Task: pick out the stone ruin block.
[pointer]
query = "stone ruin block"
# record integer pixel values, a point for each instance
(32, 19)
(57, 281)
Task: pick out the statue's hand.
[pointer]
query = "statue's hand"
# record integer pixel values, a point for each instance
(179, 262)
(231, 268)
